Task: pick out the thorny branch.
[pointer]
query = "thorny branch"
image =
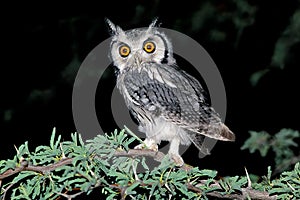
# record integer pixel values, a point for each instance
(41, 169)
(158, 156)
(246, 193)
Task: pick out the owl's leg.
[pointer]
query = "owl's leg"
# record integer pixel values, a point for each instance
(149, 143)
(174, 151)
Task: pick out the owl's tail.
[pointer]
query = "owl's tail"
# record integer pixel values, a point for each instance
(226, 134)
(219, 131)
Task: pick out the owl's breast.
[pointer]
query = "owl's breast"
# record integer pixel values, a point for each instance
(147, 97)
(160, 91)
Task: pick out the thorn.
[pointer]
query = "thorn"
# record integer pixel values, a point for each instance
(62, 151)
(136, 177)
(248, 178)
(18, 152)
(290, 186)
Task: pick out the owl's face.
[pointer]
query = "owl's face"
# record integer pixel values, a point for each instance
(139, 46)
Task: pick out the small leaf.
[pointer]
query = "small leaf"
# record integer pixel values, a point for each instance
(129, 190)
(132, 134)
(41, 148)
(37, 190)
(258, 141)
(256, 76)
(209, 173)
(153, 187)
(23, 175)
(52, 138)
(80, 139)
(143, 162)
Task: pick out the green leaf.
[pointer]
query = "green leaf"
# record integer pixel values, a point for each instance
(52, 138)
(80, 139)
(133, 135)
(256, 76)
(269, 174)
(42, 148)
(23, 150)
(143, 162)
(130, 189)
(23, 175)
(208, 172)
(285, 137)
(8, 164)
(153, 187)
(112, 195)
(37, 190)
(181, 187)
(258, 141)
(281, 143)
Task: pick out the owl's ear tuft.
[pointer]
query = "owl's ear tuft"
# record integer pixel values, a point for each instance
(154, 23)
(112, 28)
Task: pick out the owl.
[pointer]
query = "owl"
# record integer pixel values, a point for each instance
(168, 103)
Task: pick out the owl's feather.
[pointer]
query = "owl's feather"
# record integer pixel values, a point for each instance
(160, 90)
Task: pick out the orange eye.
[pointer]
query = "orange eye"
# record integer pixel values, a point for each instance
(149, 47)
(124, 50)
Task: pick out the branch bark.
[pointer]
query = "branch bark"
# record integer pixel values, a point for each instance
(41, 169)
(246, 192)
(156, 155)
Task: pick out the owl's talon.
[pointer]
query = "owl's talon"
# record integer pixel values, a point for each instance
(148, 144)
(140, 146)
(153, 147)
(177, 159)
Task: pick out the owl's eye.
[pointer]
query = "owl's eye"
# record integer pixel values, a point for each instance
(124, 50)
(149, 47)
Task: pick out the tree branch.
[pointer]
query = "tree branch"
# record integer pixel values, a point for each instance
(41, 169)
(246, 192)
(158, 156)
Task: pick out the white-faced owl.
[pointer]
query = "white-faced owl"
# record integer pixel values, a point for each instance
(168, 103)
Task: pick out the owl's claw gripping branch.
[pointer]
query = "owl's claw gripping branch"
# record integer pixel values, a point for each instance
(148, 144)
(177, 159)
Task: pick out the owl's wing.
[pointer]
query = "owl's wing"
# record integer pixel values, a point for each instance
(202, 119)
(166, 91)
(212, 125)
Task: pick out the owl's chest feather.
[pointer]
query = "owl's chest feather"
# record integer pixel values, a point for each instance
(147, 92)
(152, 102)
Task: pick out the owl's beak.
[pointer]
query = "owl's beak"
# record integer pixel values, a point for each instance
(138, 59)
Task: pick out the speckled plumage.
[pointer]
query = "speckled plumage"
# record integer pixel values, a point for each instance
(167, 102)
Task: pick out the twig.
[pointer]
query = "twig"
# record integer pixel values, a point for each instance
(246, 192)
(156, 155)
(69, 197)
(6, 189)
(40, 169)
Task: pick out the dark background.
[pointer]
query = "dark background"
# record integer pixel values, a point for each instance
(43, 45)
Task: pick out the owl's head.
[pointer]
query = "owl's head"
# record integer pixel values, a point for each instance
(138, 46)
